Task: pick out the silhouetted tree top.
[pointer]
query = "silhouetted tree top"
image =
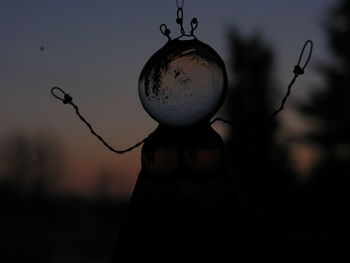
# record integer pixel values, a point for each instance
(34, 164)
(330, 106)
(252, 82)
(338, 30)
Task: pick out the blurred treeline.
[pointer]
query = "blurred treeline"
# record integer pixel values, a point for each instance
(298, 215)
(39, 222)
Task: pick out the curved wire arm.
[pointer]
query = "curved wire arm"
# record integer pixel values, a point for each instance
(67, 99)
(298, 70)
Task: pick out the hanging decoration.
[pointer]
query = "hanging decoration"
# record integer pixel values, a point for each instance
(184, 83)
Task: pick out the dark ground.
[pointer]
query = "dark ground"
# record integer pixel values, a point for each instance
(61, 230)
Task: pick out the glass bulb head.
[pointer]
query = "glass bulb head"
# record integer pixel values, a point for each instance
(183, 84)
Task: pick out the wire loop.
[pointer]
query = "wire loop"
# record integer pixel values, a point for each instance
(194, 25)
(165, 31)
(56, 96)
(180, 15)
(311, 44)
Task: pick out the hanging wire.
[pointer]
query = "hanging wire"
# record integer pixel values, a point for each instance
(67, 99)
(179, 20)
(180, 4)
(298, 70)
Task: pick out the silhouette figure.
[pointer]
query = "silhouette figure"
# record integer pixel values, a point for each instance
(184, 206)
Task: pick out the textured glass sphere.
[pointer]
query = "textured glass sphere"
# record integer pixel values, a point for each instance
(184, 83)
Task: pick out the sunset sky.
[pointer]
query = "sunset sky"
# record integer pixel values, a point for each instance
(95, 50)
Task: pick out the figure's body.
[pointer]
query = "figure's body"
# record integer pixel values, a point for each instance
(183, 206)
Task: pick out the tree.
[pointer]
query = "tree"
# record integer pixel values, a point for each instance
(34, 164)
(330, 107)
(259, 163)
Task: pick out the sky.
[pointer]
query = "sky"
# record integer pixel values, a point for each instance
(95, 50)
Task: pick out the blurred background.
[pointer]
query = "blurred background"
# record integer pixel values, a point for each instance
(63, 195)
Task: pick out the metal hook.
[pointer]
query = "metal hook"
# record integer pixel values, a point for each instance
(194, 25)
(165, 31)
(180, 21)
